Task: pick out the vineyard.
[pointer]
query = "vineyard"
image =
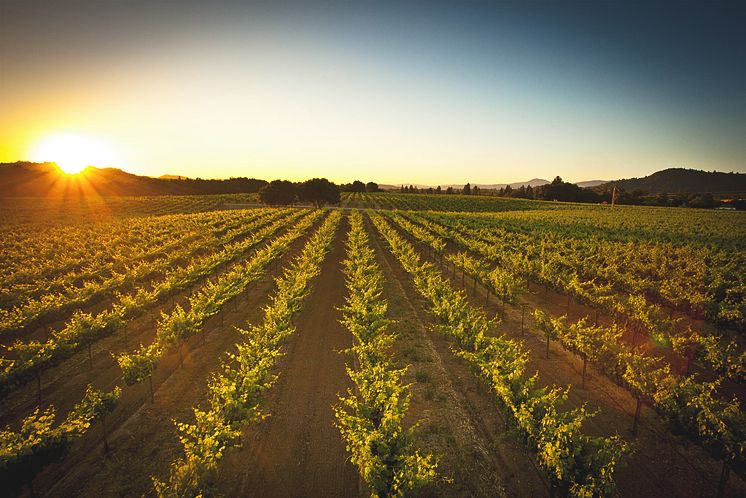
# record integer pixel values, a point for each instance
(396, 345)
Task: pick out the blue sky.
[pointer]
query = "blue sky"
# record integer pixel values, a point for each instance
(421, 92)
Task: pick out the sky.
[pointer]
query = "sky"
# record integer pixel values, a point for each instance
(394, 92)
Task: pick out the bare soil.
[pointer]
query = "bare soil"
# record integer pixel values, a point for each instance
(297, 450)
(142, 437)
(458, 420)
(661, 463)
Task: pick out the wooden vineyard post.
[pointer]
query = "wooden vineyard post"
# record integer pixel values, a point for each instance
(636, 422)
(523, 318)
(688, 354)
(474, 289)
(613, 197)
(150, 387)
(724, 475)
(38, 387)
(106, 434)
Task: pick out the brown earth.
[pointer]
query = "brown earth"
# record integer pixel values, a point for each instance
(42, 332)
(142, 437)
(63, 385)
(297, 450)
(457, 419)
(661, 463)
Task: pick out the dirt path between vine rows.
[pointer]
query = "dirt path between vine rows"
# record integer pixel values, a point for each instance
(661, 462)
(297, 450)
(457, 418)
(142, 438)
(64, 384)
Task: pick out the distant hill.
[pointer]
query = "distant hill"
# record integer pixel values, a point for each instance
(46, 179)
(685, 181)
(536, 182)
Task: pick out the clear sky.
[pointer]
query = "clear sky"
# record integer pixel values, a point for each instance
(415, 92)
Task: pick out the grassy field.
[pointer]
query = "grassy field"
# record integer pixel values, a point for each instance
(405, 345)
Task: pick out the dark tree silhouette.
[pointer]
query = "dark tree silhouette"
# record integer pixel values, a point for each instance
(357, 186)
(467, 189)
(278, 192)
(319, 191)
(371, 187)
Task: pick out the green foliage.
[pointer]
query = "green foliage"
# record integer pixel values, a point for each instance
(370, 417)
(38, 442)
(235, 392)
(139, 365)
(576, 463)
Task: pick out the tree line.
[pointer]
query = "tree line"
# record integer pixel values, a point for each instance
(559, 190)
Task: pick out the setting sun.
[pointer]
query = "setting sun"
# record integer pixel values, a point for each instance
(73, 152)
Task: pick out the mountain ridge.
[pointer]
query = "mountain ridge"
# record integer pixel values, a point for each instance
(28, 179)
(683, 181)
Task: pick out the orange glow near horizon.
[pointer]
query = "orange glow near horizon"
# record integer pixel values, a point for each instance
(73, 152)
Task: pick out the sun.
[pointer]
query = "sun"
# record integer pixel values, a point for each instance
(73, 152)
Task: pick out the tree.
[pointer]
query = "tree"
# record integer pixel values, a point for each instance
(357, 186)
(438, 190)
(319, 191)
(702, 201)
(467, 189)
(278, 192)
(371, 187)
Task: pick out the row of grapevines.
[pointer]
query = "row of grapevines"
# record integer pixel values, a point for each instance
(576, 463)
(53, 306)
(39, 255)
(724, 356)
(499, 281)
(38, 443)
(370, 417)
(83, 329)
(700, 279)
(235, 391)
(176, 327)
(144, 243)
(687, 404)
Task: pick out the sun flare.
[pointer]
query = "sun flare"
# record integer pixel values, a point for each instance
(73, 152)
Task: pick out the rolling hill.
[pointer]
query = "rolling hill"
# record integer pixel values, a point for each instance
(685, 181)
(46, 179)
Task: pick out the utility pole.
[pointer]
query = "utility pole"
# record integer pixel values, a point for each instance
(613, 197)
